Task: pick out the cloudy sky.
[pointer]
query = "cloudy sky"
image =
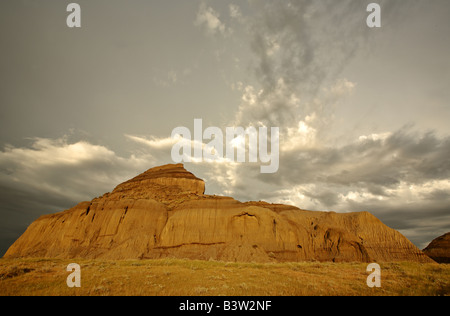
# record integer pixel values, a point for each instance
(363, 112)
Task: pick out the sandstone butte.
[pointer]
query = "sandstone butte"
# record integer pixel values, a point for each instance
(439, 249)
(164, 212)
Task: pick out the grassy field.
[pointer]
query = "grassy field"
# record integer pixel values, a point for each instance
(173, 277)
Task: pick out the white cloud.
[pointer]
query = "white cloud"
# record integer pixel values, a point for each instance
(415, 193)
(208, 18)
(273, 108)
(375, 137)
(299, 137)
(72, 170)
(342, 87)
(235, 11)
(49, 152)
(161, 148)
(153, 142)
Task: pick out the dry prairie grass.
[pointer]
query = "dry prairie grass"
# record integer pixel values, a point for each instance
(175, 277)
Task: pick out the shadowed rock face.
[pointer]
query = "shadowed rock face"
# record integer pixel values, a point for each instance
(164, 213)
(439, 249)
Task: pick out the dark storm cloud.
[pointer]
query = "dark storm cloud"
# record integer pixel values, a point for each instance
(327, 198)
(306, 44)
(290, 39)
(20, 206)
(403, 156)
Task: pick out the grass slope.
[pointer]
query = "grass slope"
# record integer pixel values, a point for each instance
(174, 277)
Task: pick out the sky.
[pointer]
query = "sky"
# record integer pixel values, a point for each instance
(362, 112)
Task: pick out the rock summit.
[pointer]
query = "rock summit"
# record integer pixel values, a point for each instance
(164, 212)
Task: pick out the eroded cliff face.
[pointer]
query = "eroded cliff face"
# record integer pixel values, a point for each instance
(165, 213)
(439, 249)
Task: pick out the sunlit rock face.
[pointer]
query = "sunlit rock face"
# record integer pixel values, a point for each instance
(164, 212)
(439, 249)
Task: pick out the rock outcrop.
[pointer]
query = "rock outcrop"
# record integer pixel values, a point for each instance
(164, 213)
(439, 249)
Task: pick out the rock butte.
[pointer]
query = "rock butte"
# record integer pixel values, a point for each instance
(439, 249)
(164, 212)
